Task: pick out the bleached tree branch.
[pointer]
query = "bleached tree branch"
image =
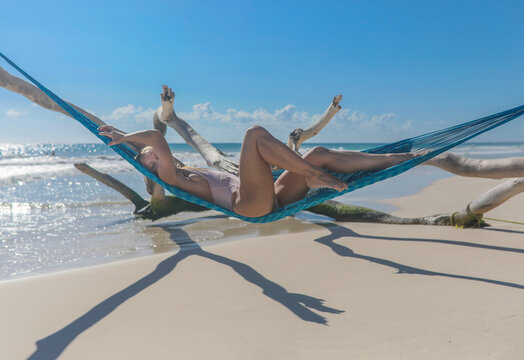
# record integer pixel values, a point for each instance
(298, 136)
(37, 96)
(483, 168)
(166, 115)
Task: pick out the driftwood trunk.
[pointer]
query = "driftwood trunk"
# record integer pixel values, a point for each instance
(113, 183)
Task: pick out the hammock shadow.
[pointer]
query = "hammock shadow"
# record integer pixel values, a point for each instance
(338, 232)
(300, 305)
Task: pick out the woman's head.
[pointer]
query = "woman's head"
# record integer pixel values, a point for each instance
(149, 158)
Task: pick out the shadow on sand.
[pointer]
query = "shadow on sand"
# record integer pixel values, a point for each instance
(53, 345)
(509, 231)
(338, 232)
(299, 304)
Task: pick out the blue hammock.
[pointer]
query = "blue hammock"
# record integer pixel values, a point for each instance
(435, 142)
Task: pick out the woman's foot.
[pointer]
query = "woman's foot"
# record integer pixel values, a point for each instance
(401, 157)
(325, 180)
(421, 152)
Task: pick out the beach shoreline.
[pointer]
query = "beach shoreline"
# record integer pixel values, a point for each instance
(338, 290)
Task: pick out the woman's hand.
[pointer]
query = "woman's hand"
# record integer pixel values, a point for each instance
(137, 139)
(116, 136)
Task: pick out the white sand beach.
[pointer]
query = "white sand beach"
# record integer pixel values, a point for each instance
(335, 291)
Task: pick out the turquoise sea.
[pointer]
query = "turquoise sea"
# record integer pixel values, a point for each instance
(54, 217)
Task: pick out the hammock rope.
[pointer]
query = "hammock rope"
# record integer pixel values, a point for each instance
(435, 142)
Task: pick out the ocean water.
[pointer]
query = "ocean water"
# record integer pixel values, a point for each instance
(52, 216)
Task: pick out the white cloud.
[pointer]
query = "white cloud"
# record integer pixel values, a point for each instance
(347, 126)
(13, 113)
(237, 121)
(130, 111)
(362, 127)
(122, 112)
(146, 115)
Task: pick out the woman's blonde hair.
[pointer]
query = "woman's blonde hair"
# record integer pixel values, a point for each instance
(138, 157)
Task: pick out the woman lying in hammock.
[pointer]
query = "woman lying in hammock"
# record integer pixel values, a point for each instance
(253, 193)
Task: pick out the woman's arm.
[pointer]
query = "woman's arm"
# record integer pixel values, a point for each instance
(138, 139)
(153, 138)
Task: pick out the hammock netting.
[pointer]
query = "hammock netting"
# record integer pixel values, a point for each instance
(434, 143)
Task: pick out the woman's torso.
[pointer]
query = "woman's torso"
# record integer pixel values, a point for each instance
(222, 185)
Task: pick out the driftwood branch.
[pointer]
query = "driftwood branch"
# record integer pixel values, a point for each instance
(497, 195)
(37, 96)
(19, 86)
(344, 212)
(166, 115)
(298, 136)
(113, 183)
(483, 168)
(471, 215)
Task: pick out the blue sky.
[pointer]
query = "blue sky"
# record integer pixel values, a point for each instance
(403, 67)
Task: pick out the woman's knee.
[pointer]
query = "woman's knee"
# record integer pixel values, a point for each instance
(316, 155)
(255, 131)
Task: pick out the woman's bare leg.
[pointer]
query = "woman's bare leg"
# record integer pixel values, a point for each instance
(291, 186)
(351, 161)
(260, 150)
